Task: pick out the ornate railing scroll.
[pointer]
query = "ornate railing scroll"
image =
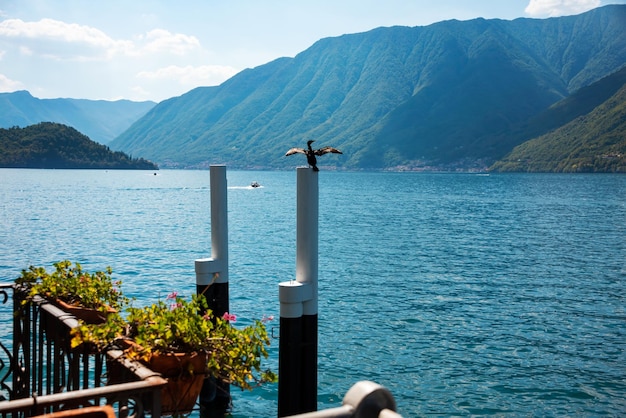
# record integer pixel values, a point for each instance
(6, 319)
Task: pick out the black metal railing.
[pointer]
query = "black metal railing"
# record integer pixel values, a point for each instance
(6, 321)
(40, 373)
(44, 361)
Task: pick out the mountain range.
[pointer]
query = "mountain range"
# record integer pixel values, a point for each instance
(445, 96)
(454, 95)
(100, 120)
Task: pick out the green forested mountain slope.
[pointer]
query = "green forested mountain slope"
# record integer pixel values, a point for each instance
(579, 103)
(99, 119)
(449, 95)
(53, 145)
(594, 142)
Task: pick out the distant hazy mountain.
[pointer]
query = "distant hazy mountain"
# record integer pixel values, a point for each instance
(594, 139)
(449, 95)
(53, 145)
(100, 120)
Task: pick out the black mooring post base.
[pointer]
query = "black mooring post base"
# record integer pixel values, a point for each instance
(308, 364)
(297, 366)
(214, 402)
(216, 295)
(215, 398)
(289, 359)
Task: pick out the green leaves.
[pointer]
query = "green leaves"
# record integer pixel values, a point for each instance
(174, 325)
(180, 325)
(74, 286)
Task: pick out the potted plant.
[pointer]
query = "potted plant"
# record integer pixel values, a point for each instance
(88, 296)
(191, 342)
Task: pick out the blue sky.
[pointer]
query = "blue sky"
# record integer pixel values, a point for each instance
(157, 49)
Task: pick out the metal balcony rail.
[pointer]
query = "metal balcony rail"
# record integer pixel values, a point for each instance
(41, 374)
(129, 399)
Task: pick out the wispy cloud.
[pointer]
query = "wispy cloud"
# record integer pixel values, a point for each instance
(157, 60)
(61, 40)
(6, 84)
(553, 8)
(160, 40)
(190, 75)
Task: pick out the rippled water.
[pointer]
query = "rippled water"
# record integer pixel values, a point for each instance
(463, 294)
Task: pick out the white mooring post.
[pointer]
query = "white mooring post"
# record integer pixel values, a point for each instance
(212, 279)
(297, 362)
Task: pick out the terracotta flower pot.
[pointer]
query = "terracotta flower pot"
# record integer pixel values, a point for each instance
(185, 373)
(88, 315)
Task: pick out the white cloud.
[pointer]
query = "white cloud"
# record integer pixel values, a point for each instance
(60, 40)
(553, 8)
(53, 29)
(155, 64)
(159, 40)
(55, 39)
(139, 92)
(25, 51)
(8, 85)
(189, 75)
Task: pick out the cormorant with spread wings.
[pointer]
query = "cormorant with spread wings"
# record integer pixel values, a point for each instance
(311, 153)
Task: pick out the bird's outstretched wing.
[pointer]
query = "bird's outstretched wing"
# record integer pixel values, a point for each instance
(326, 150)
(295, 151)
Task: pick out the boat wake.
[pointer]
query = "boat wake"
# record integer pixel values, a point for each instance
(245, 187)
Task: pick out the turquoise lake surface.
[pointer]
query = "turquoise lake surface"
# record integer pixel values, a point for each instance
(463, 294)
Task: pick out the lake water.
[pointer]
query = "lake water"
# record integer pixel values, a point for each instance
(463, 294)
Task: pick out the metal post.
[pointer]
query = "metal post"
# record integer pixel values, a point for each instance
(306, 272)
(297, 362)
(212, 279)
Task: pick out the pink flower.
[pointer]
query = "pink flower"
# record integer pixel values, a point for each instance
(172, 295)
(267, 318)
(229, 317)
(175, 306)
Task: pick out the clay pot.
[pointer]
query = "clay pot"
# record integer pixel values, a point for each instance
(88, 315)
